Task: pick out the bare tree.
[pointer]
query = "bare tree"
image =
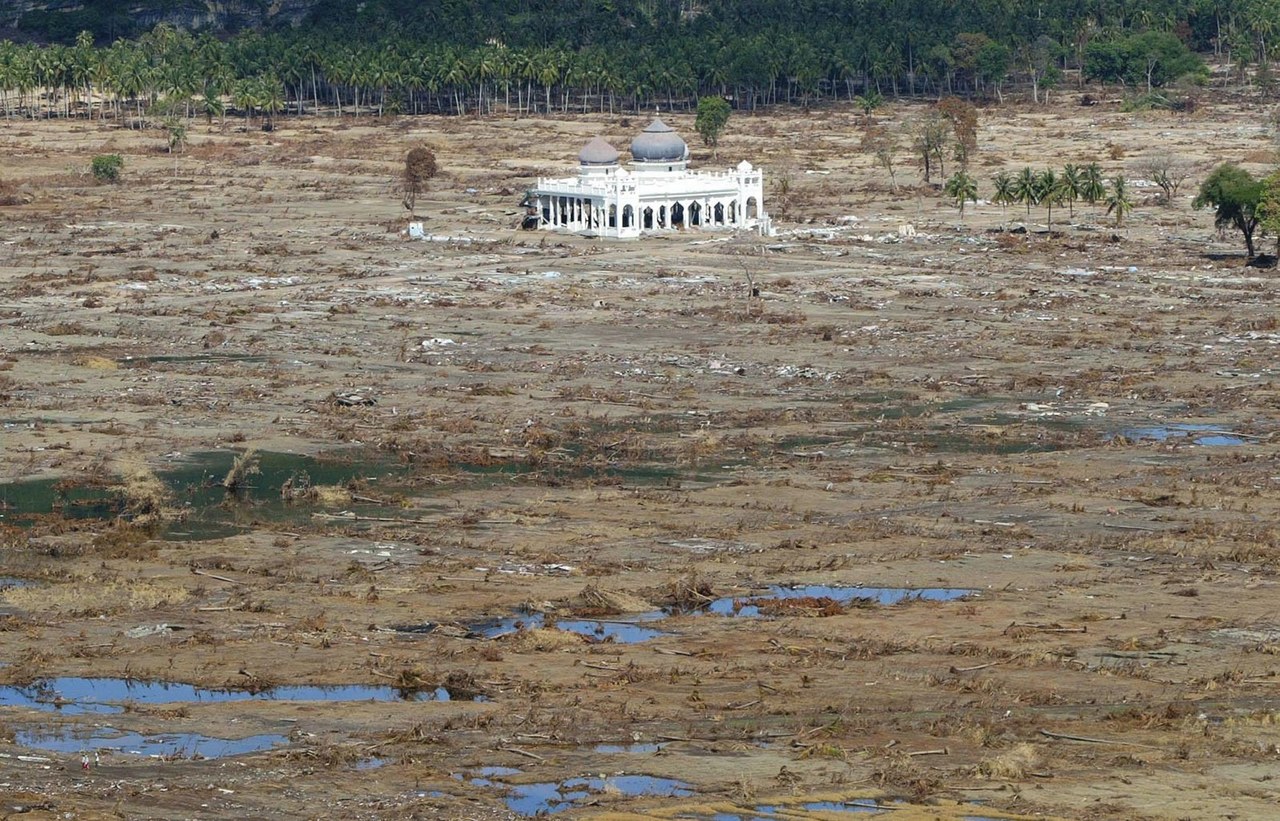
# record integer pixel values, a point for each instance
(1168, 171)
(882, 144)
(930, 135)
(419, 166)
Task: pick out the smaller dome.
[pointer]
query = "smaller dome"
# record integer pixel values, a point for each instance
(658, 144)
(598, 152)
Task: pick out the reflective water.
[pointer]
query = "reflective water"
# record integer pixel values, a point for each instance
(846, 806)
(1208, 435)
(195, 481)
(164, 745)
(866, 806)
(10, 581)
(628, 748)
(548, 798)
(620, 631)
(742, 606)
(77, 696)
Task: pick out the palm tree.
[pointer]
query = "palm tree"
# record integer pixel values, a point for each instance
(1072, 183)
(962, 188)
(1092, 189)
(1118, 202)
(8, 73)
(269, 96)
(383, 73)
(1026, 189)
(245, 96)
(1050, 191)
(1004, 191)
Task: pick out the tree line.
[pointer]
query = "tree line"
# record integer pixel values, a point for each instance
(541, 56)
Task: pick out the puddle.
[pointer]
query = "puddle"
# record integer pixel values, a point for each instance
(865, 806)
(80, 696)
(196, 485)
(869, 807)
(10, 581)
(548, 798)
(629, 748)
(164, 745)
(620, 632)
(750, 606)
(372, 763)
(1207, 435)
(195, 481)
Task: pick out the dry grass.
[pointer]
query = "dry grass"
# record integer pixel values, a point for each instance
(96, 363)
(542, 640)
(1013, 764)
(593, 601)
(86, 598)
(244, 466)
(147, 500)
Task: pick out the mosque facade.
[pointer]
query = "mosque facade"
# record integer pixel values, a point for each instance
(654, 193)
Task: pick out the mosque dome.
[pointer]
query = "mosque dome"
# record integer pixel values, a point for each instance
(658, 143)
(598, 152)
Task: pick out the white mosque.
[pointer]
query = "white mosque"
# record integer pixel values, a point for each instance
(655, 192)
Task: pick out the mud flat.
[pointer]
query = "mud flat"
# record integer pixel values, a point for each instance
(974, 523)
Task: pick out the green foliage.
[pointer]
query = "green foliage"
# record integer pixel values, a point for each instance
(1268, 208)
(1072, 185)
(1050, 191)
(1235, 196)
(1026, 188)
(1092, 189)
(569, 55)
(1003, 193)
(713, 115)
(962, 189)
(1150, 58)
(1118, 202)
(869, 102)
(107, 167)
(176, 133)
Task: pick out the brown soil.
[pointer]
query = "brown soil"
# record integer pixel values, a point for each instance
(585, 427)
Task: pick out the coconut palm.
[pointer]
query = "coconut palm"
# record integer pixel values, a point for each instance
(963, 189)
(1118, 202)
(1004, 191)
(1072, 184)
(1050, 191)
(1092, 189)
(269, 96)
(1026, 189)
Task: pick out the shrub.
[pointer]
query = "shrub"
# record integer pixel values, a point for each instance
(106, 167)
